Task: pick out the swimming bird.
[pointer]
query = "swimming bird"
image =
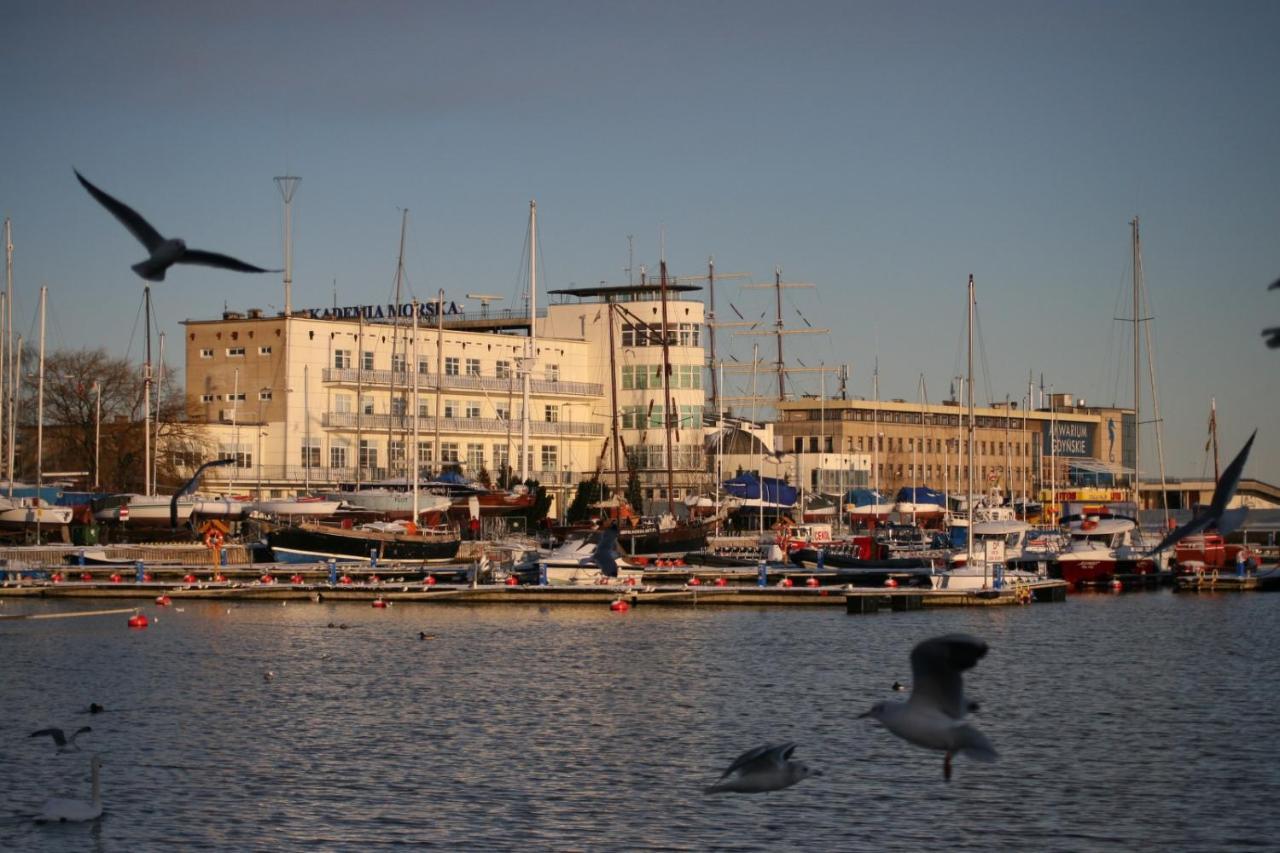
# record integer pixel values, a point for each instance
(1216, 514)
(765, 768)
(899, 687)
(164, 252)
(63, 809)
(268, 676)
(933, 716)
(60, 737)
(95, 708)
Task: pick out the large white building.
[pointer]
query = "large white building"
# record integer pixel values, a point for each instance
(326, 396)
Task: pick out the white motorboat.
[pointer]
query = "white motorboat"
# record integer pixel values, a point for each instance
(222, 507)
(306, 507)
(142, 510)
(19, 513)
(574, 562)
(393, 503)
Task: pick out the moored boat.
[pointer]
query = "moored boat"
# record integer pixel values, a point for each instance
(310, 542)
(1100, 550)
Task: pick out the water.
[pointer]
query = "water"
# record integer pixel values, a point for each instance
(1133, 722)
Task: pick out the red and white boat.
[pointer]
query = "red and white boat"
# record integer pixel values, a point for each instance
(1102, 549)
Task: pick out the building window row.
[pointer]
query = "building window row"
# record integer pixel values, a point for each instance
(639, 377)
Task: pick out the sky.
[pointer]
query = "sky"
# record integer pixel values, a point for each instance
(881, 151)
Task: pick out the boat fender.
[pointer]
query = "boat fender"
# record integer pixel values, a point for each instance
(163, 601)
(138, 621)
(85, 576)
(379, 603)
(811, 582)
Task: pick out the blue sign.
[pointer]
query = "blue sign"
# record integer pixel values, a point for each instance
(1069, 439)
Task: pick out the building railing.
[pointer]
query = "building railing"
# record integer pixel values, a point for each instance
(245, 480)
(462, 382)
(427, 425)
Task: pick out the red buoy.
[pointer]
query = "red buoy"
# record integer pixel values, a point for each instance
(512, 580)
(430, 581)
(188, 578)
(811, 582)
(85, 576)
(721, 582)
(378, 602)
(146, 577)
(787, 582)
(56, 577)
(631, 581)
(163, 601)
(1117, 585)
(345, 579)
(267, 579)
(619, 606)
(296, 579)
(137, 621)
(373, 578)
(890, 582)
(219, 578)
(694, 582)
(115, 577)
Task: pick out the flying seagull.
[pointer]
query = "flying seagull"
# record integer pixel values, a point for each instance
(1273, 334)
(933, 717)
(190, 487)
(60, 738)
(765, 768)
(164, 253)
(1216, 514)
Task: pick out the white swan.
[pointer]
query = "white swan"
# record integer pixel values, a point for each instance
(64, 809)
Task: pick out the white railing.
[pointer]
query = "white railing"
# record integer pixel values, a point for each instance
(461, 382)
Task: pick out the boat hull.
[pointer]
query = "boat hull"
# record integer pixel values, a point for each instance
(313, 543)
(1101, 570)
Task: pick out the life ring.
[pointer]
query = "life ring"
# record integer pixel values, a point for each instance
(213, 540)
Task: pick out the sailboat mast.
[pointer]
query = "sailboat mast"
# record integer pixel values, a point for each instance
(44, 292)
(146, 398)
(14, 391)
(782, 370)
(668, 403)
(531, 342)
(875, 433)
(413, 413)
(395, 339)
(155, 457)
(306, 428)
(613, 399)
(440, 378)
(968, 536)
(359, 397)
(13, 377)
(1137, 383)
(711, 329)
(1213, 435)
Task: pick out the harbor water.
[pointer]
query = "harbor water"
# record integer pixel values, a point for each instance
(1141, 721)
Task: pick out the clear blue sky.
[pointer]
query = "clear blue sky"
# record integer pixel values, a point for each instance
(883, 151)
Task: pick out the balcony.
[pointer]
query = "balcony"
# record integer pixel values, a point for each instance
(427, 382)
(426, 426)
(245, 480)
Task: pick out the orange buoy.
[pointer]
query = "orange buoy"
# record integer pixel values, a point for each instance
(619, 606)
(721, 582)
(890, 582)
(188, 578)
(115, 577)
(512, 580)
(694, 582)
(378, 602)
(163, 601)
(138, 621)
(811, 582)
(429, 581)
(85, 576)
(787, 582)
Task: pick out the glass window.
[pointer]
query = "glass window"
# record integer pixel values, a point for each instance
(475, 457)
(366, 360)
(448, 451)
(337, 457)
(366, 404)
(398, 362)
(451, 408)
(473, 367)
(342, 402)
(553, 373)
(502, 412)
(550, 413)
(395, 450)
(451, 366)
(311, 456)
(235, 352)
(342, 360)
(424, 365)
(424, 451)
(368, 454)
(549, 457)
(206, 353)
(503, 370)
(473, 408)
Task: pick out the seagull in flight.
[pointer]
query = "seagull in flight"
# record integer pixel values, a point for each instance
(164, 252)
(1216, 514)
(1273, 334)
(933, 717)
(765, 768)
(60, 737)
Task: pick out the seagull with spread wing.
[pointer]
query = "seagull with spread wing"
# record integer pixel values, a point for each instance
(190, 487)
(765, 768)
(1216, 514)
(164, 252)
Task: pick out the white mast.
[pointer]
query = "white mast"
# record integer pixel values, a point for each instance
(875, 433)
(146, 400)
(235, 428)
(44, 291)
(1137, 386)
(306, 429)
(287, 184)
(531, 342)
(417, 475)
(968, 536)
(14, 391)
(14, 377)
(155, 457)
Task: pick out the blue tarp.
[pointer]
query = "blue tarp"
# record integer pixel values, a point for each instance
(863, 497)
(747, 487)
(921, 495)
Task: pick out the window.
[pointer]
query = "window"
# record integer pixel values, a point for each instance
(633, 417)
(337, 456)
(551, 414)
(689, 334)
(243, 457)
(473, 408)
(398, 406)
(549, 457)
(553, 373)
(423, 410)
(628, 335)
(424, 365)
(206, 353)
(451, 366)
(395, 451)
(424, 452)
(504, 370)
(473, 367)
(342, 402)
(342, 359)
(311, 456)
(501, 412)
(368, 454)
(475, 457)
(448, 451)
(264, 395)
(398, 362)
(500, 456)
(235, 352)
(366, 360)
(264, 350)
(238, 397)
(208, 398)
(451, 409)
(366, 404)
(690, 416)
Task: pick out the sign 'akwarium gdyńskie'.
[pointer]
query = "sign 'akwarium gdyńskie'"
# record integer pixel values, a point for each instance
(1068, 439)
